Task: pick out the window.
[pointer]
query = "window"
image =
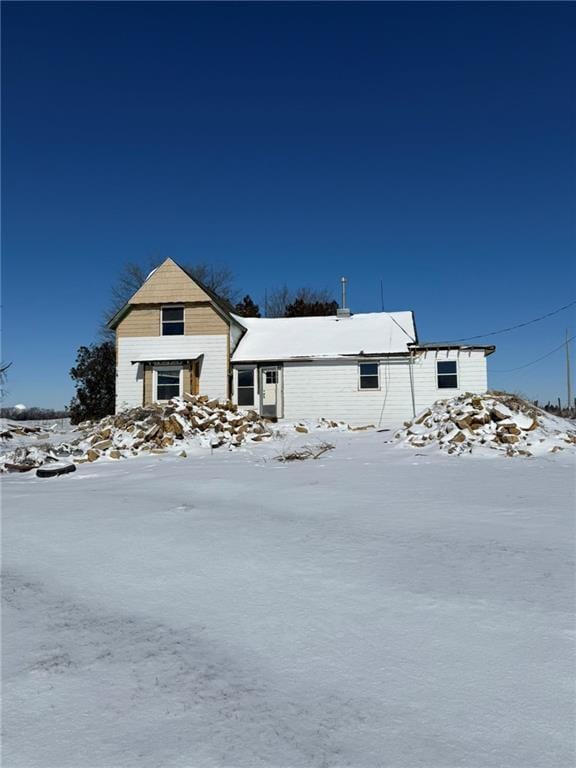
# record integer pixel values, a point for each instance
(167, 383)
(246, 386)
(172, 321)
(447, 374)
(369, 376)
(270, 377)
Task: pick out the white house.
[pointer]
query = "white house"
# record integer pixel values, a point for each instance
(176, 336)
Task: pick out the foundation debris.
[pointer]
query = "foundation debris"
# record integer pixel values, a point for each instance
(494, 421)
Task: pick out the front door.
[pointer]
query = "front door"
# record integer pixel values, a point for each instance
(269, 391)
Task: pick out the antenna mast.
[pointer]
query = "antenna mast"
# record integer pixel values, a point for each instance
(568, 373)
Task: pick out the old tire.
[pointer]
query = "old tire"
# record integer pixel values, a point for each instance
(53, 470)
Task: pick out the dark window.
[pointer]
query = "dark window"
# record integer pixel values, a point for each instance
(270, 377)
(447, 374)
(172, 321)
(369, 378)
(168, 384)
(246, 386)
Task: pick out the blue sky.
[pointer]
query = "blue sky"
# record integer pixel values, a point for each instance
(430, 146)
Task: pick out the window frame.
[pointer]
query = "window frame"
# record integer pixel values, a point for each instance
(439, 375)
(159, 368)
(254, 387)
(369, 375)
(172, 322)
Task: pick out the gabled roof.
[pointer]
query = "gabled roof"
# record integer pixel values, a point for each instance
(325, 337)
(170, 266)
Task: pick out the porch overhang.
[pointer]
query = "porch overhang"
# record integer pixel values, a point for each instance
(165, 359)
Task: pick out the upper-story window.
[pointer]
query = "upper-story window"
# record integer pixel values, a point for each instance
(172, 321)
(447, 372)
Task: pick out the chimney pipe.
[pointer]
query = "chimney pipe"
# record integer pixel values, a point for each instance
(343, 310)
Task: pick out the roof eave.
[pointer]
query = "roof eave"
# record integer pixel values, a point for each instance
(112, 324)
(488, 349)
(314, 358)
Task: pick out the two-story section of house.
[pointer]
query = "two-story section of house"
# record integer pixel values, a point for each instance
(175, 336)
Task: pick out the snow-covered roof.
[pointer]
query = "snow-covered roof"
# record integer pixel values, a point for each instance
(312, 337)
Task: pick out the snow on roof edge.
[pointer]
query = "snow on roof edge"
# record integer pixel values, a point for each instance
(325, 337)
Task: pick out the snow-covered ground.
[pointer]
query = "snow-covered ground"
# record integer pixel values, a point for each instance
(374, 608)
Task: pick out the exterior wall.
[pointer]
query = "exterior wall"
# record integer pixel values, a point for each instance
(130, 377)
(199, 319)
(331, 388)
(186, 379)
(169, 284)
(140, 321)
(472, 375)
(203, 319)
(148, 396)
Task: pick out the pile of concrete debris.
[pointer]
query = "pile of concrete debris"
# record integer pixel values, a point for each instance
(157, 428)
(495, 421)
(18, 430)
(26, 458)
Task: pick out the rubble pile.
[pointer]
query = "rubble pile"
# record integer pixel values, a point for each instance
(495, 421)
(181, 425)
(25, 458)
(155, 429)
(13, 430)
(322, 423)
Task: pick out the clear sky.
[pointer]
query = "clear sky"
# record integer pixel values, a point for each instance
(430, 146)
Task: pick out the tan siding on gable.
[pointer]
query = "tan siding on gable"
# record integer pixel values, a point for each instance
(199, 320)
(169, 284)
(140, 321)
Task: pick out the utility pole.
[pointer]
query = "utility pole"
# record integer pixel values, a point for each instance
(568, 376)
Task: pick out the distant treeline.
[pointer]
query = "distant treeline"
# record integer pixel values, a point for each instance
(558, 410)
(32, 414)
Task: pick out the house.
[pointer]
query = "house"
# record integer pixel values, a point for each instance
(175, 336)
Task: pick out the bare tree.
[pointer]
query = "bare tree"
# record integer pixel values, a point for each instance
(3, 377)
(219, 279)
(279, 300)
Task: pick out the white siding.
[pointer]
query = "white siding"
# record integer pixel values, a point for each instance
(472, 375)
(330, 389)
(130, 377)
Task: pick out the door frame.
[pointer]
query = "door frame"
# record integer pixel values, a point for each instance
(279, 406)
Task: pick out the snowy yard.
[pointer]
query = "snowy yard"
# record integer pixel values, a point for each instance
(373, 609)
